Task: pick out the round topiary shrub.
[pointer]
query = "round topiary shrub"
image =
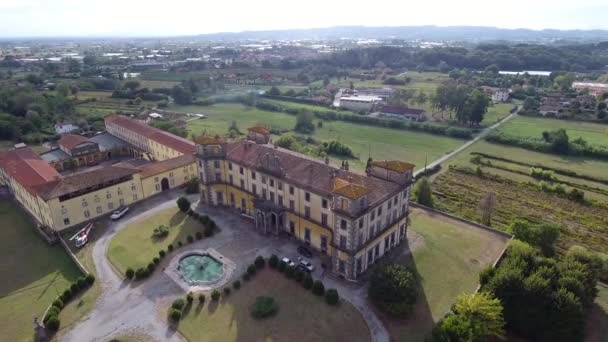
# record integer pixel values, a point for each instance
(290, 272)
(74, 287)
(151, 267)
(236, 284)
(129, 273)
(178, 304)
(190, 297)
(156, 260)
(227, 291)
(53, 323)
(67, 294)
(273, 261)
(308, 282)
(190, 238)
(170, 248)
(299, 276)
(175, 315)
(318, 288)
(198, 235)
(260, 262)
(215, 295)
(53, 311)
(90, 279)
(282, 266)
(58, 303)
(264, 307)
(82, 282)
(141, 273)
(251, 270)
(331, 297)
(201, 297)
(179, 243)
(162, 253)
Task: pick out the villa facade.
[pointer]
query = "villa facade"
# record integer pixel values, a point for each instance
(354, 219)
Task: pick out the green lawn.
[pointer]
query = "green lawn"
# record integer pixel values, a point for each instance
(384, 143)
(525, 126)
(135, 247)
(496, 113)
(448, 255)
(302, 316)
(33, 274)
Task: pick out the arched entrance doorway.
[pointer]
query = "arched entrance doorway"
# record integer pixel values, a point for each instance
(164, 184)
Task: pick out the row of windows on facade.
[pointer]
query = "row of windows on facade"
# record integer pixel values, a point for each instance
(374, 253)
(85, 203)
(324, 202)
(98, 209)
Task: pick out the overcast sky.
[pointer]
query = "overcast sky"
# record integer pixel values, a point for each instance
(188, 17)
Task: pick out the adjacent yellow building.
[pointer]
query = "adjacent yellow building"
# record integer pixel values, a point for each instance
(161, 161)
(354, 219)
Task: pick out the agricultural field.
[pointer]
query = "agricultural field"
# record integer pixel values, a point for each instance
(151, 84)
(302, 316)
(135, 246)
(496, 113)
(33, 274)
(459, 192)
(447, 255)
(533, 127)
(384, 143)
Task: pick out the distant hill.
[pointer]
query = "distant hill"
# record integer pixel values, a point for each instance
(436, 33)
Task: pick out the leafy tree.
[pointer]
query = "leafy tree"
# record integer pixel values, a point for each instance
(558, 139)
(274, 91)
(183, 203)
(181, 95)
(543, 236)
(473, 318)
(131, 85)
(423, 192)
(304, 123)
(63, 89)
(393, 289)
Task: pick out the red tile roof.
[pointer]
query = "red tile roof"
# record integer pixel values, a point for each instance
(166, 139)
(394, 165)
(27, 168)
(166, 165)
(259, 130)
(310, 174)
(69, 141)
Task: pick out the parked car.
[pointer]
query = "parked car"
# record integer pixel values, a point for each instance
(302, 269)
(305, 251)
(306, 264)
(118, 213)
(288, 262)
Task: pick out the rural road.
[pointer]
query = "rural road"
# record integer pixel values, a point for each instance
(481, 135)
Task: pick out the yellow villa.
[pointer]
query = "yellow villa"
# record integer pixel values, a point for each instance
(354, 219)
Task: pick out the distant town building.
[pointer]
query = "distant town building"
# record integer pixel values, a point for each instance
(497, 95)
(357, 103)
(595, 89)
(65, 127)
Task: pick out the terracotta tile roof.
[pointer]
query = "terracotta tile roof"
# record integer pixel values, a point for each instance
(394, 165)
(82, 181)
(207, 140)
(308, 173)
(69, 141)
(259, 130)
(164, 138)
(347, 189)
(27, 168)
(166, 165)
